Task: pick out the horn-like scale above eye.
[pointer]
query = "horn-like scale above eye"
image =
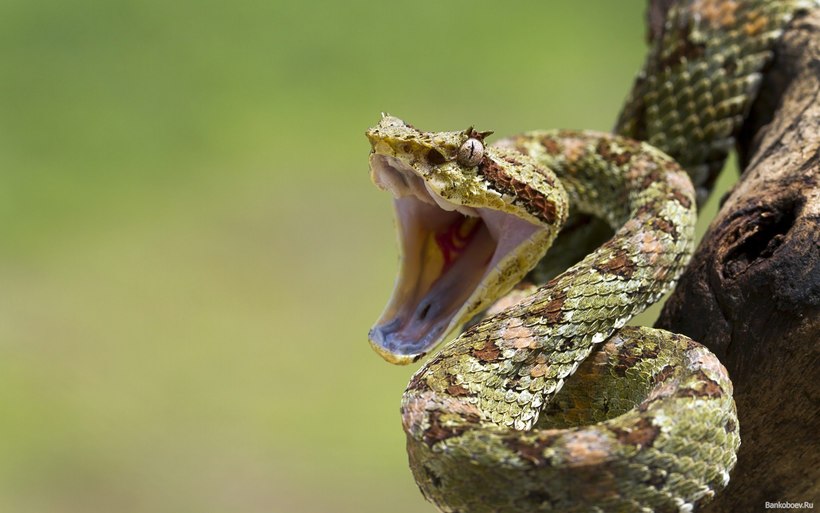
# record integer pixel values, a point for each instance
(471, 152)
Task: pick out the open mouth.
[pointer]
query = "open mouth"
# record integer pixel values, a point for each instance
(450, 255)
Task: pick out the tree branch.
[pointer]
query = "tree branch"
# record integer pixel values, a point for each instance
(752, 291)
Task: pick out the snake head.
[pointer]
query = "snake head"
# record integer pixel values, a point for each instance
(472, 220)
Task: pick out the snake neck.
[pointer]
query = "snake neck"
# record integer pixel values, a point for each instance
(642, 193)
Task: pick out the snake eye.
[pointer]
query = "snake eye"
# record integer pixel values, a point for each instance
(471, 152)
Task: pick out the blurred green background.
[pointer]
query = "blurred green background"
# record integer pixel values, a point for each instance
(191, 252)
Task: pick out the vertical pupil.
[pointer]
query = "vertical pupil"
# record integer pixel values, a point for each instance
(470, 152)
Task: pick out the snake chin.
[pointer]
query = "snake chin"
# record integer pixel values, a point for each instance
(453, 257)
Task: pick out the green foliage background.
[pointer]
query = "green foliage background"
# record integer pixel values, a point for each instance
(191, 252)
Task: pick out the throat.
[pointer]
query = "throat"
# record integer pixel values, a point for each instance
(456, 238)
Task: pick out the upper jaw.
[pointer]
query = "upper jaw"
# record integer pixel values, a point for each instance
(401, 179)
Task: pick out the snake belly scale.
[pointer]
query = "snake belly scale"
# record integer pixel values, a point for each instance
(549, 403)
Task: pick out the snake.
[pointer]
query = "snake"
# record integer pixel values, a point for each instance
(547, 401)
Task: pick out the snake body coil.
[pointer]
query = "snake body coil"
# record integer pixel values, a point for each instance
(550, 404)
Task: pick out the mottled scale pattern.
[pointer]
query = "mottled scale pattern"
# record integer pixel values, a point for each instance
(479, 398)
(521, 356)
(553, 405)
(701, 77)
(654, 433)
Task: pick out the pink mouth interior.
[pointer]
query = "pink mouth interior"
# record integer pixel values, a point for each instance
(430, 292)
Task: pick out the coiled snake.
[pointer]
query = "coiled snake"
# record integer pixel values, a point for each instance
(551, 404)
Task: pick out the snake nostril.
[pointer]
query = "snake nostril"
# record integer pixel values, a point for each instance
(434, 157)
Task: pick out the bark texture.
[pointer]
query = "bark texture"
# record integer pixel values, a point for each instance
(752, 291)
